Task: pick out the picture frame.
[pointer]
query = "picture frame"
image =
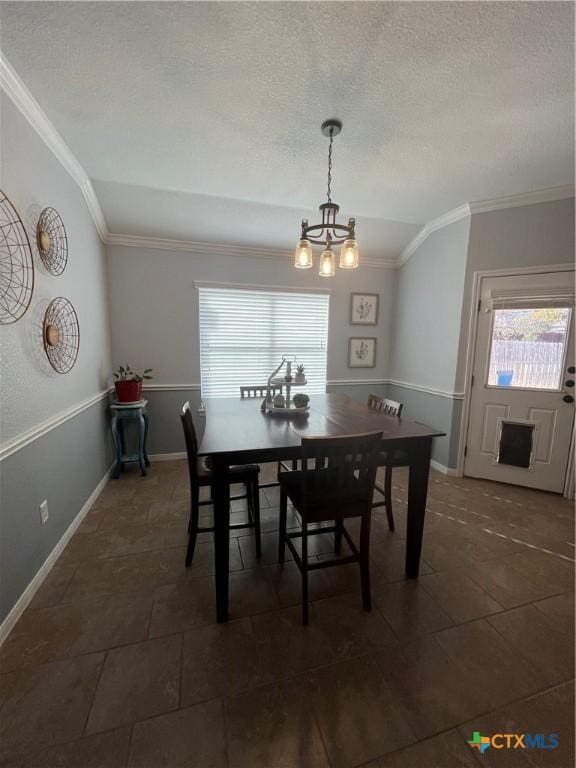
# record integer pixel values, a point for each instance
(364, 308)
(362, 352)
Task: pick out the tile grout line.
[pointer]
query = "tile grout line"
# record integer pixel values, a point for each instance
(83, 732)
(500, 535)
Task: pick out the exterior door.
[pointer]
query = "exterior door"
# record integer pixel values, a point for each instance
(522, 404)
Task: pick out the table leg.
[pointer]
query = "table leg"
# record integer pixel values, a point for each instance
(221, 496)
(417, 493)
(141, 443)
(146, 427)
(118, 447)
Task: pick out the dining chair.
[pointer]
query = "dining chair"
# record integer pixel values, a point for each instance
(338, 486)
(251, 392)
(388, 459)
(260, 391)
(201, 476)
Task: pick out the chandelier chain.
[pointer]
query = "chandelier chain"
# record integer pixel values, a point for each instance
(330, 165)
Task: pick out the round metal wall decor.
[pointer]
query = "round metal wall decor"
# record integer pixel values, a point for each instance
(61, 334)
(16, 265)
(52, 241)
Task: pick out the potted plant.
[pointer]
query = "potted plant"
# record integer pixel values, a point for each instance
(300, 378)
(300, 400)
(128, 384)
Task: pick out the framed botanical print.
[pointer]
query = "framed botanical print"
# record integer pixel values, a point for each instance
(362, 352)
(364, 308)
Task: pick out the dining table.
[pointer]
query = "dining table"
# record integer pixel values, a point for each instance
(234, 431)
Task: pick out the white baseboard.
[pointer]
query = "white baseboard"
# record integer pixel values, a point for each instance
(26, 597)
(167, 456)
(442, 468)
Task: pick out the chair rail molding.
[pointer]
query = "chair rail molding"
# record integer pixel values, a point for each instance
(425, 388)
(194, 387)
(20, 441)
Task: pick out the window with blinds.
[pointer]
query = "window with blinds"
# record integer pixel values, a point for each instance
(244, 333)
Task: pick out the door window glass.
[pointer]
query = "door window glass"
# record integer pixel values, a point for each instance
(528, 347)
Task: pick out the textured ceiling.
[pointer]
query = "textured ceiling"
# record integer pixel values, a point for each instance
(442, 103)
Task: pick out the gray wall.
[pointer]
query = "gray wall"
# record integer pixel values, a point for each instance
(426, 330)
(63, 466)
(428, 306)
(154, 319)
(436, 411)
(31, 393)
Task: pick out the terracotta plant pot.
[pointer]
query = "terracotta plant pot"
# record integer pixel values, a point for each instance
(128, 391)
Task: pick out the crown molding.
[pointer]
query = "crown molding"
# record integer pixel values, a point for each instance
(15, 89)
(442, 221)
(194, 246)
(200, 248)
(547, 195)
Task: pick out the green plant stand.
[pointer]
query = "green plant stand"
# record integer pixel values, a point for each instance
(122, 413)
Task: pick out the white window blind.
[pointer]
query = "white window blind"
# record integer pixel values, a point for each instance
(244, 333)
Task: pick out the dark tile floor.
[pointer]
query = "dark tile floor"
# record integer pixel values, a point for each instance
(118, 662)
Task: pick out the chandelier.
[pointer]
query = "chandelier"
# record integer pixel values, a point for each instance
(328, 233)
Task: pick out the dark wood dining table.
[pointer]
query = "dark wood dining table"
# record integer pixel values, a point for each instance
(236, 431)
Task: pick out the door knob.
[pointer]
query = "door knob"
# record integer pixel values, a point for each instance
(568, 399)
(569, 383)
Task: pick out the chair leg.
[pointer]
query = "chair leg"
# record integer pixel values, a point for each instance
(304, 573)
(388, 497)
(365, 563)
(282, 526)
(255, 504)
(250, 502)
(338, 537)
(193, 523)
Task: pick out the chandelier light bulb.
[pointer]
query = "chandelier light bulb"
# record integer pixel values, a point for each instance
(327, 263)
(303, 255)
(349, 254)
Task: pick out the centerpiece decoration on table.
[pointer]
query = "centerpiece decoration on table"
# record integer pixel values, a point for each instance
(286, 405)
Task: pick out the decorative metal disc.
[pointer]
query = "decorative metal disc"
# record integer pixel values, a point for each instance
(16, 265)
(61, 335)
(52, 241)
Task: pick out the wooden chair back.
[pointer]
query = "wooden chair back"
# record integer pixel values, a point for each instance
(392, 407)
(377, 403)
(341, 482)
(250, 392)
(191, 441)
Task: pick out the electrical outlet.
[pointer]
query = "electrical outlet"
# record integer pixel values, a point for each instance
(44, 512)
